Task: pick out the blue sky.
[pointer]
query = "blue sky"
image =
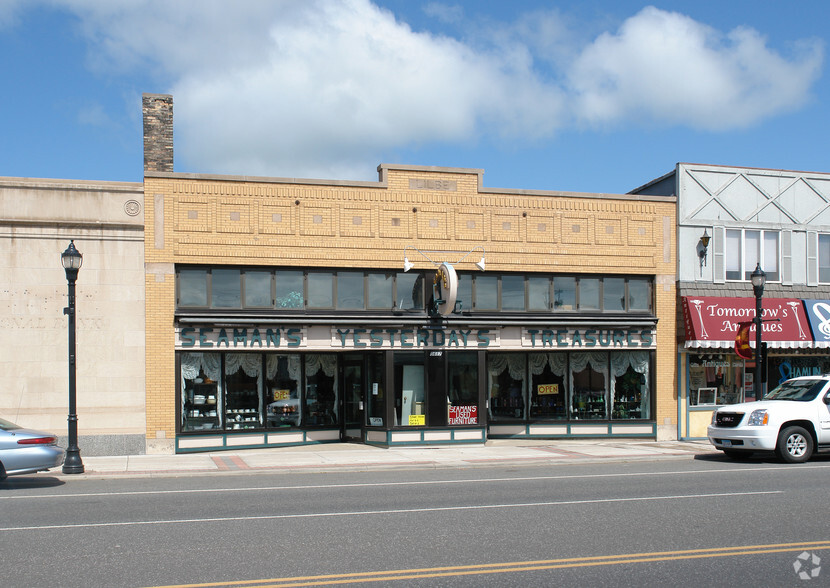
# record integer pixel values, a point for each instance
(589, 96)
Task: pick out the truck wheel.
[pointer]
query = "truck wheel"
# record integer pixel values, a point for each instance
(795, 445)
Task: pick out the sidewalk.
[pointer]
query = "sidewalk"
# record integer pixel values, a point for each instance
(354, 457)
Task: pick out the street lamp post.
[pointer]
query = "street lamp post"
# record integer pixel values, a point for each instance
(71, 259)
(759, 279)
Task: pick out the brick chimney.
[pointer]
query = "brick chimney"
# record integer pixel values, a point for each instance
(157, 110)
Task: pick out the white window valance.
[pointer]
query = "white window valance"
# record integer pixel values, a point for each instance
(639, 362)
(598, 360)
(316, 362)
(515, 364)
(272, 364)
(556, 361)
(193, 363)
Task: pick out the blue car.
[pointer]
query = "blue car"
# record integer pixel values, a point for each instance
(26, 451)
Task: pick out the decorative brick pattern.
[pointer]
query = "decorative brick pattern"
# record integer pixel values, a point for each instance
(520, 231)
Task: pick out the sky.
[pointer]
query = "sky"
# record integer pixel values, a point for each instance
(588, 96)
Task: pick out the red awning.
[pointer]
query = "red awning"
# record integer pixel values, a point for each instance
(714, 321)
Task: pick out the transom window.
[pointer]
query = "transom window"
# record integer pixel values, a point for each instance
(354, 290)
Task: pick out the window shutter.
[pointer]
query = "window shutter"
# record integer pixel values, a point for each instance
(812, 258)
(719, 264)
(787, 258)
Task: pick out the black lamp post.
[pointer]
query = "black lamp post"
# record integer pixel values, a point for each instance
(71, 259)
(759, 279)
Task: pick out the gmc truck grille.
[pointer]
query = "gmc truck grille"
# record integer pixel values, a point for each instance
(729, 419)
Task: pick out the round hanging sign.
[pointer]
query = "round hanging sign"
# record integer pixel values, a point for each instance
(445, 289)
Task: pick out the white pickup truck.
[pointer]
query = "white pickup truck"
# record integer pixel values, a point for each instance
(793, 420)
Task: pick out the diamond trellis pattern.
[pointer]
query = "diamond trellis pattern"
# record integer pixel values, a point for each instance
(756, 196)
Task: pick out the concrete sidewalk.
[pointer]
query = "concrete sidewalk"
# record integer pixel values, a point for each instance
(352, 457)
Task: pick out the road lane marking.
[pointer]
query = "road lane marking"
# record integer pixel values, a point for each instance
(518, 566)
(390, 511)
(736, 470)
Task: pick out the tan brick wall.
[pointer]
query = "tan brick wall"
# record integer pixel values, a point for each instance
(237, 221)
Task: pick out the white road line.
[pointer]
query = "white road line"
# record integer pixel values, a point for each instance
(733, 471)
(387, 512)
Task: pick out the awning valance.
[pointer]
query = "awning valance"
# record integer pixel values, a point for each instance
(713, 322)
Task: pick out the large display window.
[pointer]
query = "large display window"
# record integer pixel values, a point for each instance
(630, 398)
(243, 382)
(716, 379)
(506, 373)
(201, 401)
(589, 385)
(462, 388)
(283, 376)
(569, 385)
(321, 397)
(548, 389)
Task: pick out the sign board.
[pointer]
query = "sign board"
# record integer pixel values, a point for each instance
(463, 415)
(281, 394)
(416, 420)
(543, 389)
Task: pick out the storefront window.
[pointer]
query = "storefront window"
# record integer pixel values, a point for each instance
(718, 379)
(538, 293)
(225, 288)
(487, 293)
(410, 291)
(380, 290)
(201, 403)
(589, 294)
(243, 381)
(289, 289)
(512, 292)
(320, 290)
(462, 400)
(639, 294)
(410, 397)
(257, 289)
(283, 408)
(564, 293)
(589, 377)
(613, 294)
(464, 299)
(506, 383)
(320, 389)
(784, 368)
(629, 385)
(192, 287)
(349, 290)
(548, 390)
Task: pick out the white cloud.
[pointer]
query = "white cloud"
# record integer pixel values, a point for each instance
(449, 13)
(667, 68)
(323, 88)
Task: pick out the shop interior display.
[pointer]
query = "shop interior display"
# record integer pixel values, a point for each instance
(200, 409)
(242, 409)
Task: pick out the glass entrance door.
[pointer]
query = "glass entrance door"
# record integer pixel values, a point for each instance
(353, 398)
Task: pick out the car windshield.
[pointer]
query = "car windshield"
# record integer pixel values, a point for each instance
(800, 390)
(8, 425)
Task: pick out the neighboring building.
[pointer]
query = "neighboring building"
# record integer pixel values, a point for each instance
(280, 311)
(38, 218)
(776, 218)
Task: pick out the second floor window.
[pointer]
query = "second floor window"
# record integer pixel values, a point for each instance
(745, 249)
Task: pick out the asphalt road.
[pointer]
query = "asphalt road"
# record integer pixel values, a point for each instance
(686, 522)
